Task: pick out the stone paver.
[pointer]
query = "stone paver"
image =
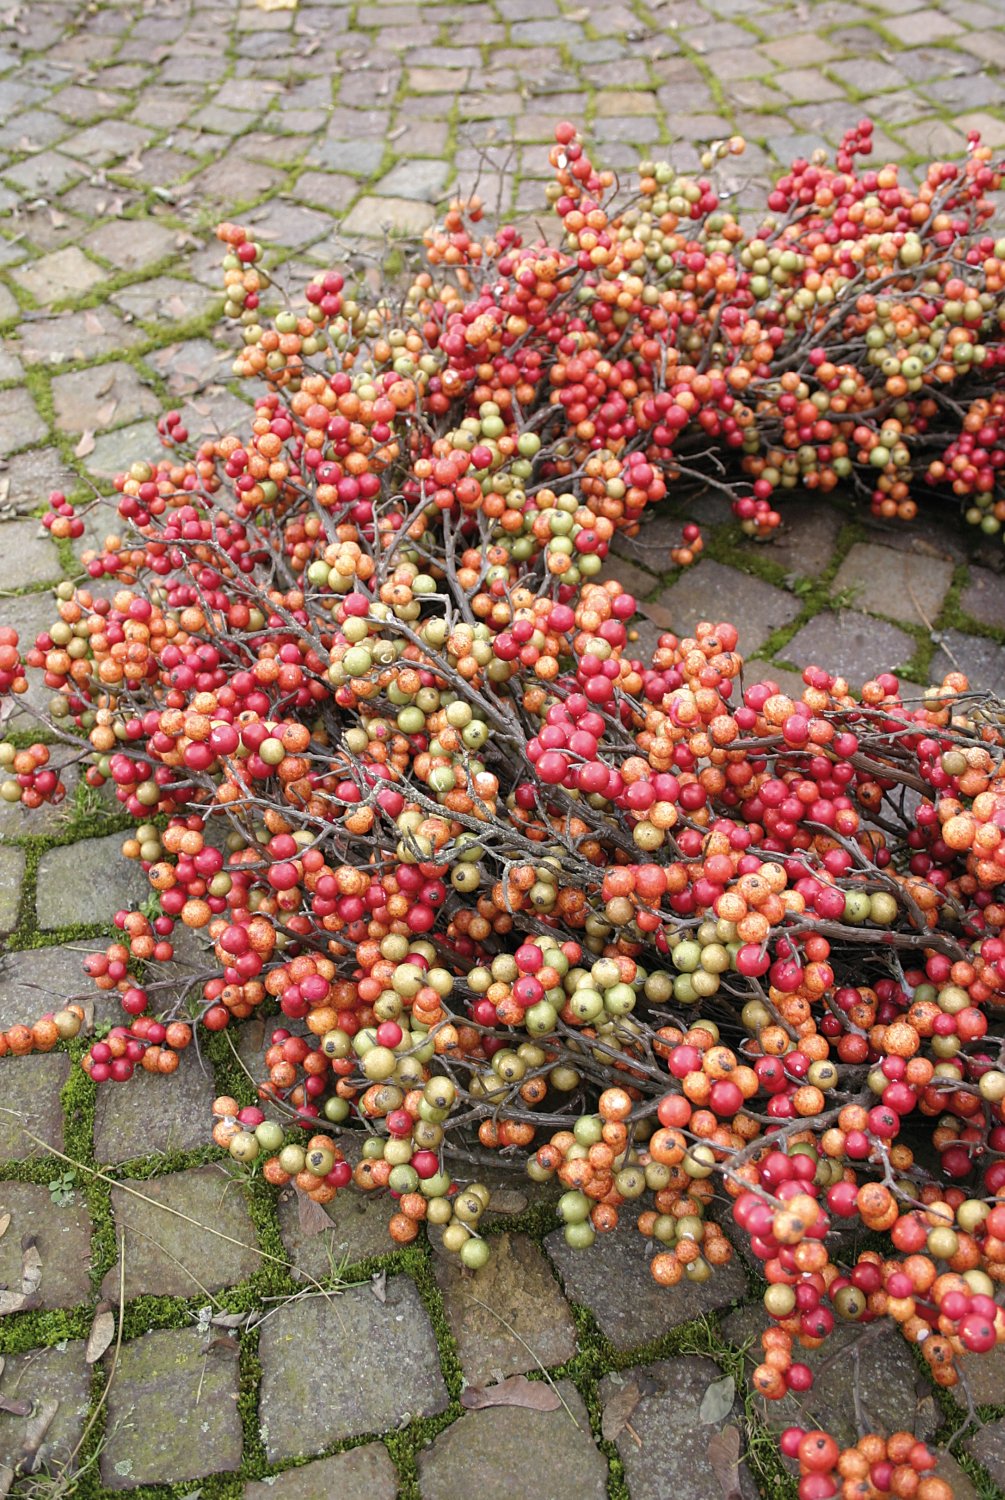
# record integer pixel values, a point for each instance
(31, 1102)
(58, 1374)
(20, 422)
(510, 1317)
(11, 872)
(62, 1233)
(907, 586)
(853, 644)
(886, 1380)
(359, 1230)
(106, 397)
(612, 1281)
(379, 1361)
(988, 1447)
(152, 1114)
(64, 273)
(714, 592)
(83, 882)
(982, 660)
(27, 555)
(41, 979)
(189, 1234)
(172, 1411)
(666, 1453)
(361, 1471)
(501, 1452)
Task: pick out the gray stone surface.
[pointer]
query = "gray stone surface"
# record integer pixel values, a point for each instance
(982, 660)
(714, 592)
(20, 422)
(501, 1452)
(907, 586)
(62, 274)
(188, 1233)
(62, 1233)
(364, 1471)
(27, 555)
(804, 543)
(106, 397)
(379, 1361)
(508, 1318)
(171, 1411)
(153, 1114)
(75, 335)
(359, 1230)
(984, 597)
(39, 979)
(854, 645)
(11, 875)
(57, 1374)
(612, 1280)
(988, 1447)
(31, 1102)
(87, 882)
(666, 1453)
(887, 1380)
(373, 217)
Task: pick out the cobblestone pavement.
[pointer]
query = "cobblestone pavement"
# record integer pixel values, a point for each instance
(126, 130)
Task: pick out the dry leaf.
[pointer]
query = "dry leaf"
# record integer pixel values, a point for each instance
(31, 1266)
(724, 1456)
(312, 1217)
(176, 307)
(229, 1320)
(35, 1434)
(16, 1408)
(93, 323)
(4, 1224)
(56, 219)
(378, 1285)
(223, 1344)
(104, 414)
(85, 446)
(276, 4)
(618, 1411)
(717, 1401)
(534, 1395)
(101, 1334)
(132, 163)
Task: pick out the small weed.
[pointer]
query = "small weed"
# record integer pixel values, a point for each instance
(62, 1189)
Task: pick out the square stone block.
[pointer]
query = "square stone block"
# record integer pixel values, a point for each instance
(856, 646)
(714, 592)
(31, 1102)
(502, 1451)
(908, 586)
(361, 1471)
(154, 1114)
(613, 1282)
(668, 1453)
(371, 1365)
(172, 1411)
(56, 1374)
(175, 1244)
(86, 882)
(508, 1318)
(62, 1234)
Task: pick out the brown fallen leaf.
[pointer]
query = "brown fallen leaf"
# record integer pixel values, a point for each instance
(619, 1411)
(724, 1456)
(378, 1285)
(31, 1266)
(533, 1395)
(15, 1408)
(104, 414)
(224, 1343)
(4, 1224)
(85, 446)
(93, 323)
(276, 4)
(35, 1435)
(101, 1334)
(311, 1216)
